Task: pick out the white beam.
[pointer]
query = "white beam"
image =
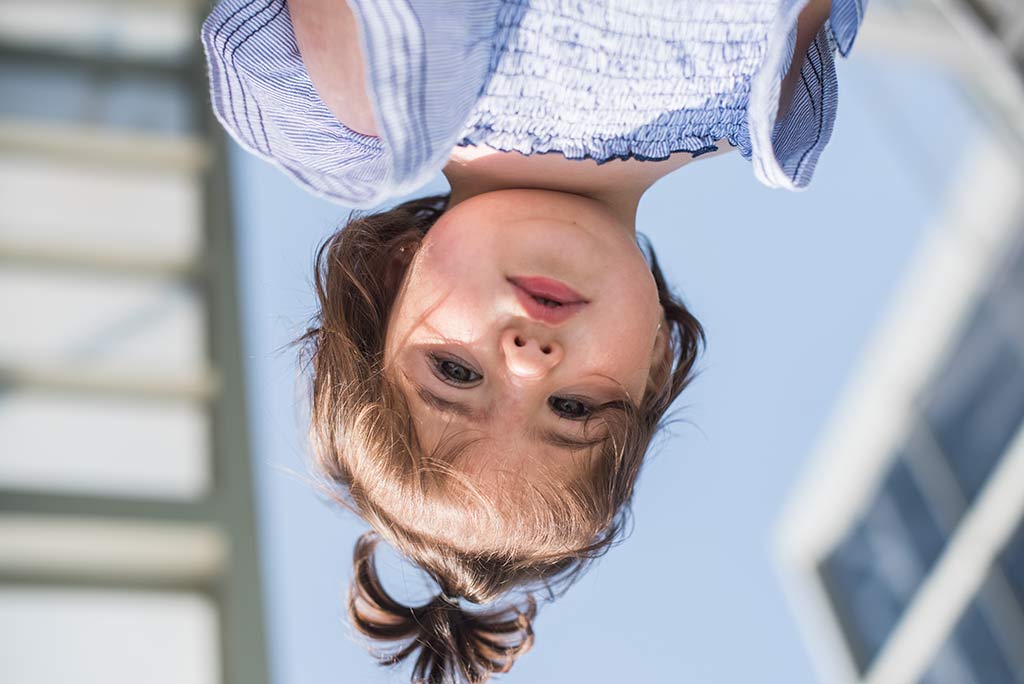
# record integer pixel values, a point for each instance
(103, 146)
(957, 576)
(43, 546)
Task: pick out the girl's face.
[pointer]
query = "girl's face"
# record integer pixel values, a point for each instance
(520, 312)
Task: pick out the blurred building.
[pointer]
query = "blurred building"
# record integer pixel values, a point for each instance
(902, 548)
(127, 546)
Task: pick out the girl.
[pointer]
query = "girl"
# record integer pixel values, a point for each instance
(488, 367)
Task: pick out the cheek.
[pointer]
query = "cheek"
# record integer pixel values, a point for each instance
(629, 334)
(633, 358)
(455, 319)
(445, 298)
(441, 261)
(458, 258)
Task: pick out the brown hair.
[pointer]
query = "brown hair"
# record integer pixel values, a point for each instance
(537, 534)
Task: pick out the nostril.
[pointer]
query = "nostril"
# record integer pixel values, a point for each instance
(546, 349)
(519, 342)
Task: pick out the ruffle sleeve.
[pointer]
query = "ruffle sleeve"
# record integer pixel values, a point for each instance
(785, 151)
(424, 73)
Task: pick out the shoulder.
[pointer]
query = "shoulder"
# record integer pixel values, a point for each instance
(812, 19)
(327, 34)
(261, 94)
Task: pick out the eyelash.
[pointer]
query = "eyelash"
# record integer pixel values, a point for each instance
(439, 366)
(438, 363)
(588, 409)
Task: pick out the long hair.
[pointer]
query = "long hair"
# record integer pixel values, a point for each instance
(532, 535)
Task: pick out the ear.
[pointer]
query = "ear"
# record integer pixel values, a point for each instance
(396, 265)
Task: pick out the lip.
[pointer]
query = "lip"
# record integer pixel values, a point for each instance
(569, 301)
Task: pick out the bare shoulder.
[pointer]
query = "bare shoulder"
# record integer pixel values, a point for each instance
(328, 37)
(815, 12)
(812, 18)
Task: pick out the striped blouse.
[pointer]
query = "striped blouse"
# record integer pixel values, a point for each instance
(598, 79)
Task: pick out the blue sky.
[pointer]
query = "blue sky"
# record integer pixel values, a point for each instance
(788, 286)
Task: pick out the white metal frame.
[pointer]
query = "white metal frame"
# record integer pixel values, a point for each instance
(874, 417)
(206, 546)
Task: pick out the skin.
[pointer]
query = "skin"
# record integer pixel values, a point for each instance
(456, 305)
(514, 215)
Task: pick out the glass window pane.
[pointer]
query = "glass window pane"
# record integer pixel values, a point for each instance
(114, 213)
(873, 573)
(104, 445)
(976, 404)
(69, 92)
(151, 328)
(973, 654)
(161, 31)
(995, 11)
(1012, 563)
(107, 637)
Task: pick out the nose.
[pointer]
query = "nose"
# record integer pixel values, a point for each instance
(529, 355)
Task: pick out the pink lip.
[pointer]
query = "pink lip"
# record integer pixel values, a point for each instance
(548, 289)
(529, 288)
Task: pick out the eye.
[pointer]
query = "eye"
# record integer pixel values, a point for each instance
(453, 372)
(570, 408)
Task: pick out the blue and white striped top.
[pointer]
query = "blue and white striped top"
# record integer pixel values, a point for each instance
(600, 79)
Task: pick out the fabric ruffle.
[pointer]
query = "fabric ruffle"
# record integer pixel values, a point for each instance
(262, 95)
(425, 72)
(605, 82)
(598, 80)
(611, 80)
(785, 151)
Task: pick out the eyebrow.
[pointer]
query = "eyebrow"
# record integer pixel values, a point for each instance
(549, 437)
(560, 441)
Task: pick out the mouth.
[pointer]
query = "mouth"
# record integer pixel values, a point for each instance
(546, 300)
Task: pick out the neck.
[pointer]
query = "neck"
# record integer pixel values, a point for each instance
(618, 185)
